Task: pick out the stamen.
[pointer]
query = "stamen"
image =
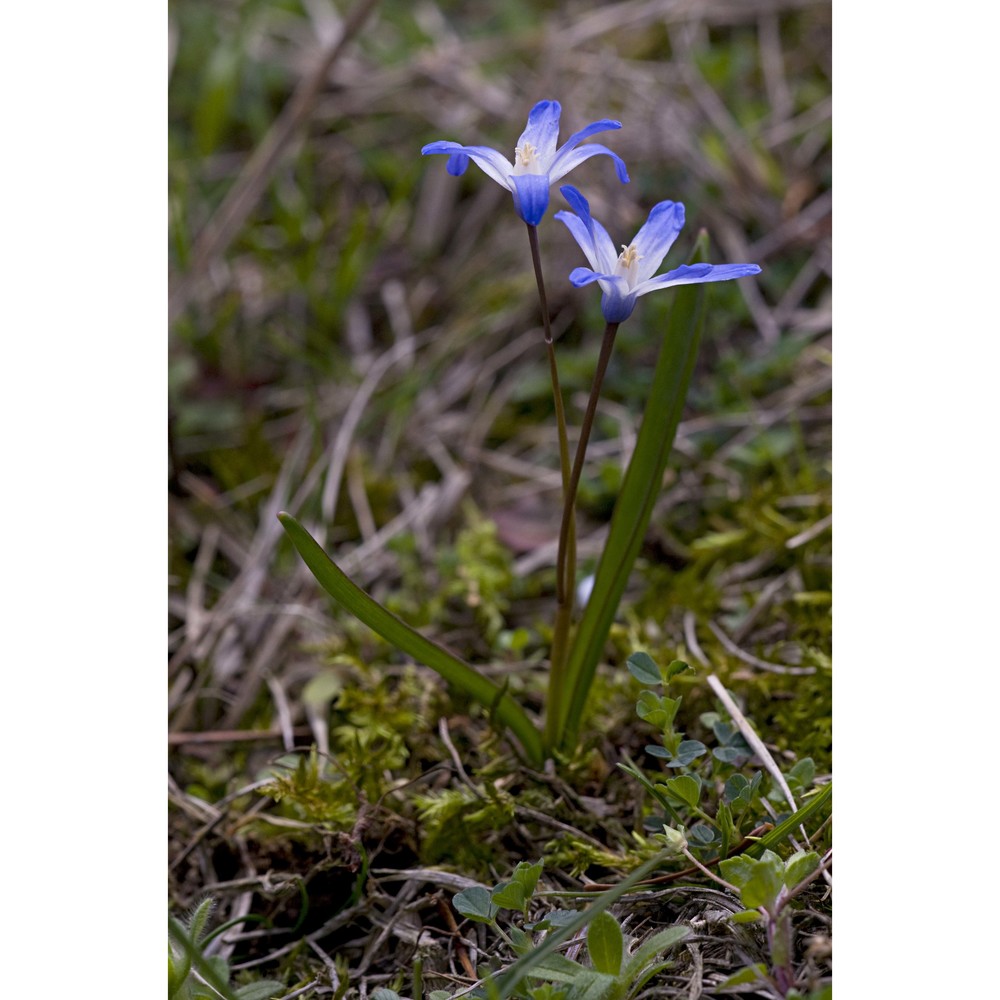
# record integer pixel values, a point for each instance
(524, 156)
(629, 256)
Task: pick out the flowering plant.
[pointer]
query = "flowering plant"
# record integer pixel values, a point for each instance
(537, 163)
(623, 279)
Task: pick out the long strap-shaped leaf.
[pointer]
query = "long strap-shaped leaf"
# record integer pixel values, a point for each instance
(786, 827)
(366, 609)
(643, 480)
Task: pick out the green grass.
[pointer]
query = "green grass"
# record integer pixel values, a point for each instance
(283, 397)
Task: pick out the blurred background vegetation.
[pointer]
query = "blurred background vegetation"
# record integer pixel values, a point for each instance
(355, 338)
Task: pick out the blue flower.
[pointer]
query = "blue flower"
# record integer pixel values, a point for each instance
(537, 163)
(625, 276)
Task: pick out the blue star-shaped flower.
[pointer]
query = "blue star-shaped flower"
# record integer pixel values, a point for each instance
(537, 163)
(625, 276)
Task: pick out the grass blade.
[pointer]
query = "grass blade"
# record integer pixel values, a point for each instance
(774, 837)
(513, 975)
(641, 487)
(394, 630)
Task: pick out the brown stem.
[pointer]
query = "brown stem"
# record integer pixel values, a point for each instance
(566, 566)
(581, 450)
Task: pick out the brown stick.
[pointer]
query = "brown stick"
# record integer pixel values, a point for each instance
(232, 736)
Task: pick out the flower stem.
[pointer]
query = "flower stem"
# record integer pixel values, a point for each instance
(565, 561)
(566, 567)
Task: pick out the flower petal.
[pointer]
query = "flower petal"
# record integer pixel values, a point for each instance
(692, 274)
(656, 237)
(604, 125)
(543, 131)
(531, 196)
(617, 302)
(605, 255)
(567, 158)
(581, 234)
(458, 163)
(617, 307)
(492, 163)
(581, 276)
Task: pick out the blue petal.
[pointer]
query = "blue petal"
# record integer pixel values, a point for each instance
(617, 302)
(567, 159)
(603, 249)
(492, 163)
(657, 236)
(577, 202)
(581, 276)
(531, 196)
(442, 146)
(604, 125)
(542, 130)
(581, 234)
(617, 308)
(458, 163)
(692, 274)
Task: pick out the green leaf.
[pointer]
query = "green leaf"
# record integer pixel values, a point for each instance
(605, 944)
(321, 690)
(509, 896)
(219, 88)
(655, 709)
(747, 916)
(198, 923)
(644, 977)
(515, 893)
(701, 835)
(527, 874)
(591, 985)
(751, 974)
(554, 918)
(674, 668)
(526, 964)
(475, 903)
(640, 489)
(654, 790)
(652, 947)
(545, 992)
(558, 969)
(776, 836)
(801, 776)
(737, 871)
(644, 669)
(718, 541)
(736, 791)
(728, 829)
(687, 751)
(764, 884)
(340, 587)
(267, 989)
(685, 788)
(798, 866)
(214, 973)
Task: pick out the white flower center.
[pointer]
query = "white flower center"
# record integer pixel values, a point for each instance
(526, 160)
(627, 260)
